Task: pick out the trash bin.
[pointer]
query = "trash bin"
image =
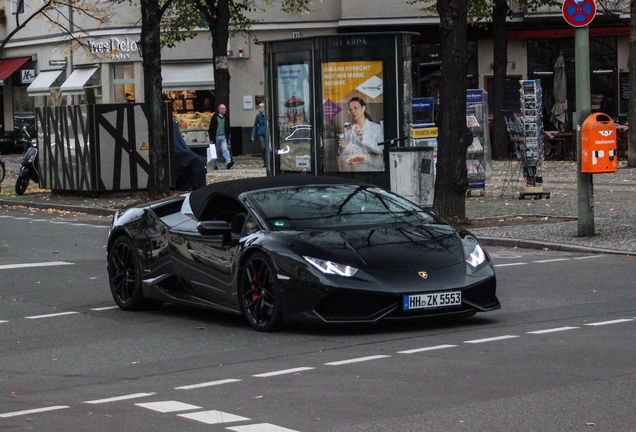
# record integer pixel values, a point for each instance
(412, 172)
(598, 144)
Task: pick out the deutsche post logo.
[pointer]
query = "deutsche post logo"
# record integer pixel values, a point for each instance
(423, 274)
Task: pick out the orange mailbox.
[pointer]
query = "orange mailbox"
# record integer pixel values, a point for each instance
(598, 144)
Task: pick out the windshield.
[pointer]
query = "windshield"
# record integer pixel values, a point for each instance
(334, 207)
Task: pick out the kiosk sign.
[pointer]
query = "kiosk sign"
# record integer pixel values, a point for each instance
(579, 13)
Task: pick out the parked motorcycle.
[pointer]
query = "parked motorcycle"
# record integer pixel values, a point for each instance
(29, 169)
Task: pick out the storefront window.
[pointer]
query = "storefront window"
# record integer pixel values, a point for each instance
(23, 110)
(543, 54)
(192, 110)
(124, 82)
(427, 69)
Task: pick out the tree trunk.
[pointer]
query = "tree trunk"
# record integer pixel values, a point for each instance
(219, 28)
(451, 182)
(498, 93)
(158, 177)
(631, 138)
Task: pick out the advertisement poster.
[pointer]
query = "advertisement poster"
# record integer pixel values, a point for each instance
(294, 118)
(353, 109)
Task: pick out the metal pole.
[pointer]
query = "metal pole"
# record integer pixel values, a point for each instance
(585, 186)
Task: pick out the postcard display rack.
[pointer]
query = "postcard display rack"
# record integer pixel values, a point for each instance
(530, 149)
(478, 155)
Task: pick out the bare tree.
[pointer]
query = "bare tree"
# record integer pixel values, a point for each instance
(59, 13)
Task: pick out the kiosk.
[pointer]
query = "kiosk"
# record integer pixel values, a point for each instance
(335, 101)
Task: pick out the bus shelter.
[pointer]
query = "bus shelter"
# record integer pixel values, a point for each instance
(333, 103)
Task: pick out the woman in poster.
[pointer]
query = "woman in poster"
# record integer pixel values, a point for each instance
(361, 141)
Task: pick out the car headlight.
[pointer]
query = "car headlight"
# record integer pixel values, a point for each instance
(477, 256)
(328, 267)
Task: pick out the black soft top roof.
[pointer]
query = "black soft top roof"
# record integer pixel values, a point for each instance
(234, 188)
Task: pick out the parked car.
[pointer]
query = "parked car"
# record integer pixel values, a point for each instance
(298, 248)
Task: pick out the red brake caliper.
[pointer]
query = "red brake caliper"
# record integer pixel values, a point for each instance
(254, 283)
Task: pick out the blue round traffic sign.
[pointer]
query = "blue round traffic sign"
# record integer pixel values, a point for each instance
(579, 13)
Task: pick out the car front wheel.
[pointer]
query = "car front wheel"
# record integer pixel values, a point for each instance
(124, 274)
(260, 294)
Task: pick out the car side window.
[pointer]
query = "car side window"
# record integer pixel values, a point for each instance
(251, 226)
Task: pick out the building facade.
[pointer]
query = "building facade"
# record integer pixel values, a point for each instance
(39, 67)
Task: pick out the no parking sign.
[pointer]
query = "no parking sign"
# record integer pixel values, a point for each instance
(579, 13)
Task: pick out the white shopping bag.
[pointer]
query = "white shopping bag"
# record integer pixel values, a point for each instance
(211, 152)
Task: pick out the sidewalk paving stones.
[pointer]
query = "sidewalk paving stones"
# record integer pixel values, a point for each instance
(498, 218)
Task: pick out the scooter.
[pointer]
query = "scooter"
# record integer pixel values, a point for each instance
(29, 169)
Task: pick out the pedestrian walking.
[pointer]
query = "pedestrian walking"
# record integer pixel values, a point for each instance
(220, 131)
(259, 131)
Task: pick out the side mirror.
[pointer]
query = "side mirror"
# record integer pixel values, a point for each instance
(212, 228)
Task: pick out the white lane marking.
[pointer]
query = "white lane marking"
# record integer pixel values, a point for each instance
(39, 220)
(207, 384)
(261, 427)
(50, 315)
(417, 350)
(588, 257)
(492, 339)
(609, 322)
(33, 411)
(213, 417)
(40, 264)
(509, 265)
(21, 218)
(3, 321)
(283, 372)
(168, 406)
(119, 398)
(552, 260)
(356, 360)
(552, 330)
(104, 308)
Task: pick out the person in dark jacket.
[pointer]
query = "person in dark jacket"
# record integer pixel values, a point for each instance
(219, 132)
(259, 131)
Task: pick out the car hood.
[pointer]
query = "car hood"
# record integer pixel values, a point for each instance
(392, 249)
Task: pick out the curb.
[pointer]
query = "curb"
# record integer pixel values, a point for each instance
(62, 207)
(537, 244)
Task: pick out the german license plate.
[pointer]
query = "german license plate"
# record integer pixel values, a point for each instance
(432, 300)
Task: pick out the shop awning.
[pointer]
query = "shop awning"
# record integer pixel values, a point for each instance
(75, 83)
(191, 76)
(42, 84)
(8, 66)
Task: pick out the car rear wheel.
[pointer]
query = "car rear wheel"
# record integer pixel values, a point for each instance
(124, 273)
(260, 294)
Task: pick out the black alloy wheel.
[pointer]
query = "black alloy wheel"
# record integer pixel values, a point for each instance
(124, 274)
(21, 185)
(260, 294)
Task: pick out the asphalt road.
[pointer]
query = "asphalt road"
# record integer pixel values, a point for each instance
(558, 356)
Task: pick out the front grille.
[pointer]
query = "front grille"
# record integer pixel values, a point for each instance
(350, 305)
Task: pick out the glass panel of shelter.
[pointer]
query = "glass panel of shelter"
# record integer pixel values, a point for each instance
(293, 112)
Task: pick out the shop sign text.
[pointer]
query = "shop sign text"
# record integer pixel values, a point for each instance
(115, 49)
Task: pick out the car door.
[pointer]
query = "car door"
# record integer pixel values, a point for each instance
(207, 262)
